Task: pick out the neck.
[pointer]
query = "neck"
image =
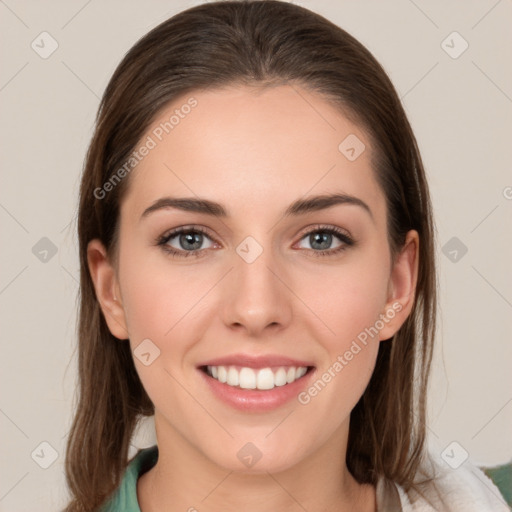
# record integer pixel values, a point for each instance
(183, 479)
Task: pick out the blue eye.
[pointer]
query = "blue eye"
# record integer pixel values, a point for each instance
(190, 239)
(321, 238)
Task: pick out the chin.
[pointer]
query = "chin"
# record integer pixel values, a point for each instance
(256, 458)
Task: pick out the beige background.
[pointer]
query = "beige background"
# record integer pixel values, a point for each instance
(460, 109)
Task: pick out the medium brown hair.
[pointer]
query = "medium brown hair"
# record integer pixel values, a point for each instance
(252, 43)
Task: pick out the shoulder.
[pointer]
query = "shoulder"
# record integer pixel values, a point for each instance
(464, 489)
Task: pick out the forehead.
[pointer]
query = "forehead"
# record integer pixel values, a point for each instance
(245, 146)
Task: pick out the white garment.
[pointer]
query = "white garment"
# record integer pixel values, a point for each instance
(465, 489)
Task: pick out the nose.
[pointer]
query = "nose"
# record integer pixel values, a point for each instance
(256, 298)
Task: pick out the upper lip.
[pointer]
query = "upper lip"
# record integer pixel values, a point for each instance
(255, 361)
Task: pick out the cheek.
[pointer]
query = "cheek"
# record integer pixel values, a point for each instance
(347, 298)
(350, 309)
(162, 301)
(158, 295)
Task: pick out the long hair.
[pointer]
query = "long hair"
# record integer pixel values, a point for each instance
(255, 43)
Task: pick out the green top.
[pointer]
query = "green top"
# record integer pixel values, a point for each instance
(502, 477)
(125, 497)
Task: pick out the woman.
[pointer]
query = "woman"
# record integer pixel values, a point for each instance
(257, 272)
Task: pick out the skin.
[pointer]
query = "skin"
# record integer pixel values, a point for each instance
(254, 151)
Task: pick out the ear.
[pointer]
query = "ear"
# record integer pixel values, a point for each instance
(107, 289)
(401, 287)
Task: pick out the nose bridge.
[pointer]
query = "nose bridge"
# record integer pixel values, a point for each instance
(257, 297)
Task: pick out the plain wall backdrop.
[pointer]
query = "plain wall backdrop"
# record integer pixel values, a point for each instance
(57, 57)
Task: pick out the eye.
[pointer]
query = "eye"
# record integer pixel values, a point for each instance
(188, 241)
(321, 238)
(185, 241)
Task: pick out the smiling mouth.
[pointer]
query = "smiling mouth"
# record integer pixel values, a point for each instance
(251, 378)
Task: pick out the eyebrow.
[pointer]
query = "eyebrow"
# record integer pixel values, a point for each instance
(299, 207)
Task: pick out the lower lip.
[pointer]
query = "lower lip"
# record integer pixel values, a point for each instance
(255, 400)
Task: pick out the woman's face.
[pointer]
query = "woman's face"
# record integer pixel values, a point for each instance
(263, 285)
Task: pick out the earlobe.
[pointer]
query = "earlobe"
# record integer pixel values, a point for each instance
(402, 286)
(106, 285)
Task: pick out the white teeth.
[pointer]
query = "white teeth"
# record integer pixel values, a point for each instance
(280, 377)
(222, 374)
(265, 379)
(233, 379)
(249, 378)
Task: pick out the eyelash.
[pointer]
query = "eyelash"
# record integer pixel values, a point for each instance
(342, 236)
